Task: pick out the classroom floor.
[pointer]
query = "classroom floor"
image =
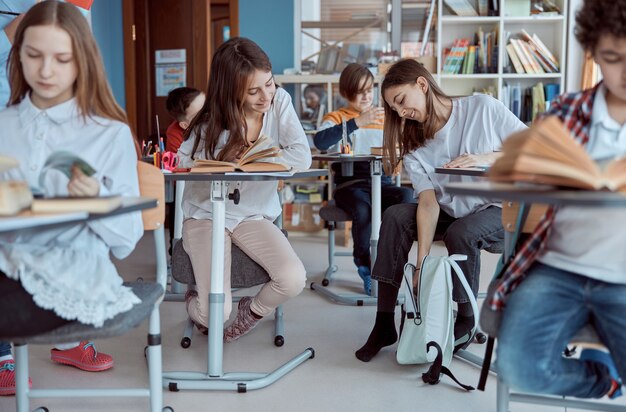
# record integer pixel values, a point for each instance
(333, 381)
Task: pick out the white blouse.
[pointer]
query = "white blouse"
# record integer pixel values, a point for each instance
(68, 269)
(259, 200)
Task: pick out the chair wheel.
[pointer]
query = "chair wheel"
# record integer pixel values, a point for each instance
(279, 341)
(311, 286)
(42, 409)
(325, 282)
(145, 351)
(185, 342)
(481, 338)
(168, 409)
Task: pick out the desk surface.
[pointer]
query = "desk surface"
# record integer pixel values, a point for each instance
(464, 171)
(538, 194)
(28, 220)
(345, 158)
(241, 176)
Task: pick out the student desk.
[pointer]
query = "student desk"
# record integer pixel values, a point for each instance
(526, 194)
(215, 378)
(462, 171)
(347, 164)
(27, 220)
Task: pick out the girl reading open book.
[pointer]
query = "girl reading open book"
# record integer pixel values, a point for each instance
(242, 104)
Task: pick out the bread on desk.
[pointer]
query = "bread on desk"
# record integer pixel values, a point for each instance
(14, 196)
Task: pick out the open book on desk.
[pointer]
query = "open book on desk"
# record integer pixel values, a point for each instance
(547, 154)
(252, 160)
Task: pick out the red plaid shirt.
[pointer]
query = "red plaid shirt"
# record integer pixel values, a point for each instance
(574, 110)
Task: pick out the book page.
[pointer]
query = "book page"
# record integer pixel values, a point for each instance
(615, 174)
(263, 148)
(63, 161)
(262, 143)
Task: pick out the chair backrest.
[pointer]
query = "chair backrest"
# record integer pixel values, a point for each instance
(509, 216)
(152, 184)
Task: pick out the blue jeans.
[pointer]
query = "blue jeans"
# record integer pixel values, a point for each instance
(5, 348)
(541, 317)
(356, 199)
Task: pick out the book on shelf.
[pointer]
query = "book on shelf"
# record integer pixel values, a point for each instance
(461, 7)
(521, 54)
(515, 61)
(541, 50)
(256, 158)
(545, 153)
(102, 204)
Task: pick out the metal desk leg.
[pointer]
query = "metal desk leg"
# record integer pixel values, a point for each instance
(215, 378)
(376, 172)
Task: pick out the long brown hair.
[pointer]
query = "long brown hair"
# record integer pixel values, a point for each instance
(408, 134)
(91, 88)
(233, 64)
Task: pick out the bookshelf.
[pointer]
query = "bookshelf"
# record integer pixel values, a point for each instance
(512, 16)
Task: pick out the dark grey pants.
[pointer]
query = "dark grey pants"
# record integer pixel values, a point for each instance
(466, 236)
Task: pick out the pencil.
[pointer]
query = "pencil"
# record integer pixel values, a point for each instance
(10, 13)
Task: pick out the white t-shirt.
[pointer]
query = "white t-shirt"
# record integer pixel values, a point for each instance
(478, 124)
(586, 240)
(259, 200)
(68, 269)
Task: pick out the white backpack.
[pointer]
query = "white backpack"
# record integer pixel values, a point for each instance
(427, 330)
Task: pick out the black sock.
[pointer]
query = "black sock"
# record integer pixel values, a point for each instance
(463, 325)
(383, 334)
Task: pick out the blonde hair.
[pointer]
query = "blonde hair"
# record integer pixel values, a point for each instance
(91, 88)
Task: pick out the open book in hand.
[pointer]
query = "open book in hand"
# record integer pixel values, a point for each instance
(254, 159)
(64, 161)
(547, 154)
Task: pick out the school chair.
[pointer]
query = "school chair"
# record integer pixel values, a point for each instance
(245, 273)
(151, 294)
(333, 215)
(586, 337)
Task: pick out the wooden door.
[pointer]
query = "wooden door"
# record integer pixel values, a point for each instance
(151, 25)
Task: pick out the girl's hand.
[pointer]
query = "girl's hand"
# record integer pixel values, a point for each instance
(416, 277)
(373, 115)
(471, 160)
(81, 185)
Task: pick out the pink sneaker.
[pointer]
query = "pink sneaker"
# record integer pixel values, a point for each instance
(244, 322)
(7, 378)
(84, 356)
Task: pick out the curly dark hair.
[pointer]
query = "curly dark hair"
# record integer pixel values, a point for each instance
(597, 18)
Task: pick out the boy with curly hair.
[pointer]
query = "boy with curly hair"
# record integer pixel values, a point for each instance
(573, 266)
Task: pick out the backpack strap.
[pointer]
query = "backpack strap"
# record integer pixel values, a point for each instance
(468, 290)
(484, 371)
(435, 371)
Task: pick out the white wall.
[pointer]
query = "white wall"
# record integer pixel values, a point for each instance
(575, 53)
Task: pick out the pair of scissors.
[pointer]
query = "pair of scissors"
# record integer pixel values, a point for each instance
(170, 161)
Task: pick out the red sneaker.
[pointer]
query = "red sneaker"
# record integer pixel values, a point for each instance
(7, 378)
(84, 356)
